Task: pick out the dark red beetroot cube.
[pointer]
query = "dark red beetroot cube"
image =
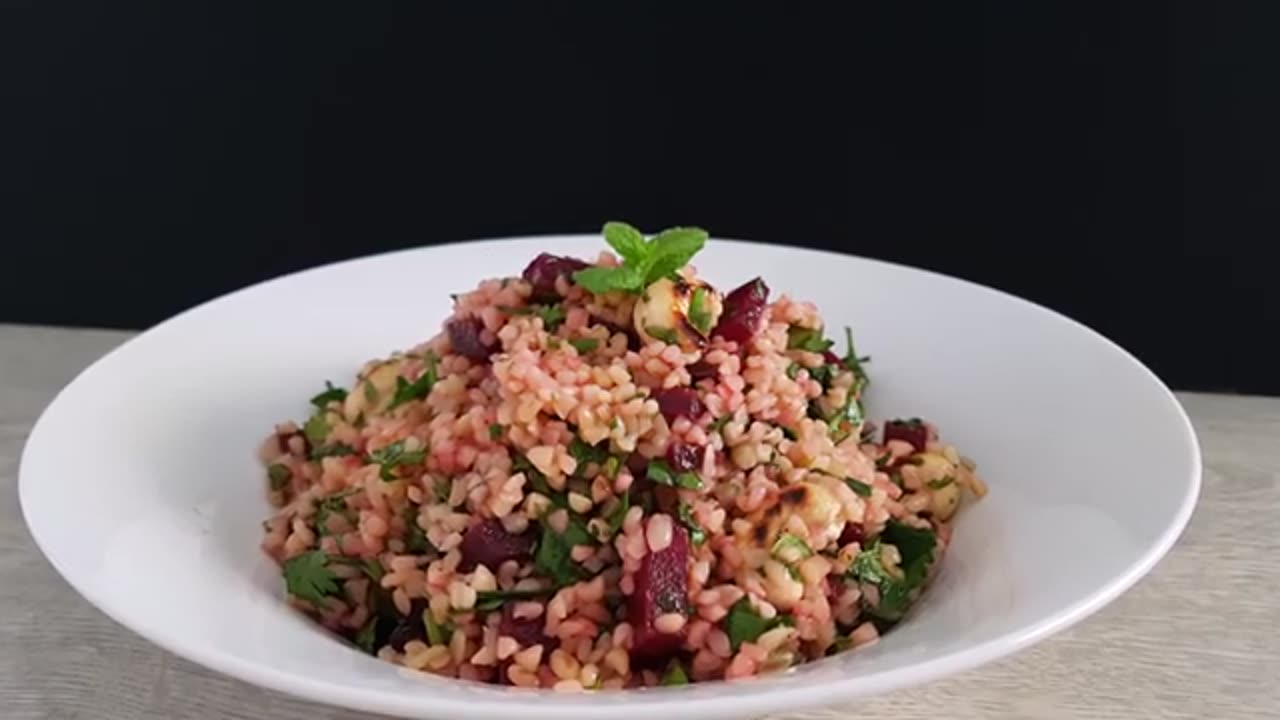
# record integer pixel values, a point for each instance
(852, 533)
(743, 311)
(526, 631)
(545, 269)
(682, 457)
(464, 336)
(832, 358)
(910, 431)
(662, 586)
(702, 370)
(488, 543)
(679, 402)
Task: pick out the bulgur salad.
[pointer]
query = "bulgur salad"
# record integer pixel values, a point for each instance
(611, 475)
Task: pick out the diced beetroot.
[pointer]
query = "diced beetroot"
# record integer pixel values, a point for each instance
(526, 631)
(488, 543)
(678, 402)
(911, 431)
(545, 269)
(683, 457)
(834, 586)
(743, 311)
(637, 464)
(661, 587)
(852, 533)
(702, 370)
(464, 336)
(831, 358)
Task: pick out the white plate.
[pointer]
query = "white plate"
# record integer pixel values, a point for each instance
(140, 483)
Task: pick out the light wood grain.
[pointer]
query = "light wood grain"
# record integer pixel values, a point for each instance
(1198, 638)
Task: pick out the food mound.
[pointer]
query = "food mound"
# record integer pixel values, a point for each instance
(611, 475)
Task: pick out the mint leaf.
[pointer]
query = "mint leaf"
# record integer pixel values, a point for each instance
(699, 315)
(627, 241)
(552, 557)
(307, 577)
(393, 456)
(674, 676)
(330, 394)
(619, 514)
(366, 638)
(607, 279)
(666, 335)
(334, 450)
(697, 535)
(742, 624)
(671, 250)
(316, 429)
(807, 339)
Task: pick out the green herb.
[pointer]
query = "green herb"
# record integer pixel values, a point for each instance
(858, 487)
(332, 505)
(393, 456)
(699, 315)
(552, 315)
(666, 335)
(279, 475)
(407, 391)
(585, 454)
(316, 429)
(697, 535)
(367, 637)
(584, 345)
(437, 634)
(330, 394)
(793, 370)
(660, 472)
(553, 554)
(807, 339)
(416, 542)
(718, 424)
(674, 676)
(307, 577)
(334, 450)
(824, 374)
(619, 514)
(536, 479)
(495, 432)
(790, 548)
(915, 547)
(642, 261)
(743, 624)
(788, 433)
(853, 362)
(490, 600)
(611, 466)
(370, 392)
(940, 483)
(369, 567)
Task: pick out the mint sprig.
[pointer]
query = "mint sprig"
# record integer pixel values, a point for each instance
(643, 261)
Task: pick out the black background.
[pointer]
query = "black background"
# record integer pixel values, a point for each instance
(1114, 161)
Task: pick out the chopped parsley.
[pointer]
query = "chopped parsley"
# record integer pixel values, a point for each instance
(674, 676)
(552, 315)
(619, 514)
(536, 479)
(490, 600)
(584, 345)
(585, 454)
(307, 577)
(330, 394)
(940, 483)
(666, 335)
(916, 548)
(316, 429)
(437, 634)
(393, 456)
(718, 424)
(611, 466)
(553, 554)
(279, 475)
(743, 624)
(858, 487)
(854, 363)
(790, 548)
(333, 505)
(334, 450)
(407, 391)
(793, 370)
(495, 432)
(372, 568)
(416, 540)
(699, 314)
(807, 339)
(697, 535)
(660, 472)
(642, 261)
(367, 637)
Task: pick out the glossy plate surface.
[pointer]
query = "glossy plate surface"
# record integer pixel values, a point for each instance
(140, 484)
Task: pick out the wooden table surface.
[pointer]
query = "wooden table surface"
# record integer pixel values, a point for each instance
(1198, 638)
